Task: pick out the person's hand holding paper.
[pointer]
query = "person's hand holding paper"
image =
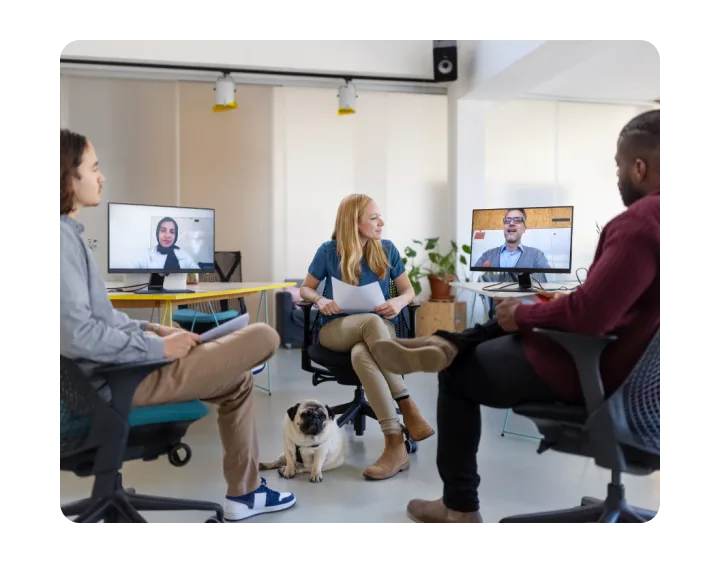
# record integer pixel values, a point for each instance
(351, 299)
(391, 308)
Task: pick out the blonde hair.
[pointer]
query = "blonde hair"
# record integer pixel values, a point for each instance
(348, 243)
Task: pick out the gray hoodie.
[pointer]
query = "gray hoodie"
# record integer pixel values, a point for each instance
(90, 328)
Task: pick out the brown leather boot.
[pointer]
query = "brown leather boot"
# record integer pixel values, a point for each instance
(418, 428)
(421, 511)
(408, 355)
(393, 460)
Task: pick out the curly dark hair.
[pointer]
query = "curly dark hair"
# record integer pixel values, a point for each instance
(72, 148)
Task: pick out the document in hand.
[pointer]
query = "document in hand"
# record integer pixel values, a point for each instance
(351, 299)
(226, 328)
(532, 299)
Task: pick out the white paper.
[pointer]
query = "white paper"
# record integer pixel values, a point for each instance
(226, 328)
(352, 299)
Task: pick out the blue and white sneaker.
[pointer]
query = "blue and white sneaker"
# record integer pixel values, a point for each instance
(258, 369)
(263, 500)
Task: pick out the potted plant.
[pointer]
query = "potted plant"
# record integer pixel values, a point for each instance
(440, 268)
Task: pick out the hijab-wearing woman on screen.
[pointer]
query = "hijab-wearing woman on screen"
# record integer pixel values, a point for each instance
(166, 255)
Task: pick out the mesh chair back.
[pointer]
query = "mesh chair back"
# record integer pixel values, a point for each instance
(228, 269)
(401, 325)
(78, 404)
(638, 402)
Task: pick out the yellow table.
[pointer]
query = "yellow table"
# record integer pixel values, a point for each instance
(204, 292)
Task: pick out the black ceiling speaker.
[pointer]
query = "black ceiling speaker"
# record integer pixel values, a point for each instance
(446, 66)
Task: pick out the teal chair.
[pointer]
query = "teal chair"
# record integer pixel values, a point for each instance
(204, 316)
(99, 431)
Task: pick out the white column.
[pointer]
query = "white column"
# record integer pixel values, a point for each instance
(466, 177)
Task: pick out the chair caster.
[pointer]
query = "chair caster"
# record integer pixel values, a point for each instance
(213, 520)
(412, 446)
(174, 455)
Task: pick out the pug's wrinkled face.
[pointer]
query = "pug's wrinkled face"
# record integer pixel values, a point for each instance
(310, 417)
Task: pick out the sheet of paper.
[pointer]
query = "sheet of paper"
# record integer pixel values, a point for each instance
(352, 299)
(226, 328)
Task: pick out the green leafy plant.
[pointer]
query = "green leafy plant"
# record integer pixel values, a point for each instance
(439, 265)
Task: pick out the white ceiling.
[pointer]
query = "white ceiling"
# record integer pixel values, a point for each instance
(628, 71)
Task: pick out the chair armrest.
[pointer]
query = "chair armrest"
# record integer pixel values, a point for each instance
(586, 351)
(305, 306)
(413, 306)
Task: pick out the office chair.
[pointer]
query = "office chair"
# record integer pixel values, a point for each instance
(99, 431)
(204, 316)
(621, 433)
(337, 366)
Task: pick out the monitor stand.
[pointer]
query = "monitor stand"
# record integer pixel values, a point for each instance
(524, 286)
(166, 283)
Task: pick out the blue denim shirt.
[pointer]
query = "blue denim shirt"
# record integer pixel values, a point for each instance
(327, 264)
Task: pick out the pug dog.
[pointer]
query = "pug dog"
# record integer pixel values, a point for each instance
(312, 442)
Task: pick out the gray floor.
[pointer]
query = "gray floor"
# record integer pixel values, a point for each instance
(514, 479)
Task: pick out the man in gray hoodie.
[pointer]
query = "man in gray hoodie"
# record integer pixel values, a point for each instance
(218, 372)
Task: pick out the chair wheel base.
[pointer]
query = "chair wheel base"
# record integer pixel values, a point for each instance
(122, 505)
(614, 509)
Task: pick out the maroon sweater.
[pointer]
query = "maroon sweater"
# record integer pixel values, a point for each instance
(620, 296)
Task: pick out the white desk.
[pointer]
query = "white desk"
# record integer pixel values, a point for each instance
(479, 288)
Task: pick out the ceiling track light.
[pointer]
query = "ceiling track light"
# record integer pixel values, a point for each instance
(225, 94)
(347, 99)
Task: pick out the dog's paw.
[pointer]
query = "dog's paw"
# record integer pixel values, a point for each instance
(267, 466)
(286, 473)
(316, 478)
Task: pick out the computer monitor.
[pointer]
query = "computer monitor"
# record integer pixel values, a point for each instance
(161, 241)
(515, 244)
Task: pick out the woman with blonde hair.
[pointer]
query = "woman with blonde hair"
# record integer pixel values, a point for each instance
(357, 255)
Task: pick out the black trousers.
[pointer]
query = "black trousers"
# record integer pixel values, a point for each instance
(490, 370)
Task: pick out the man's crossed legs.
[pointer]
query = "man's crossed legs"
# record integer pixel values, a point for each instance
(480, 366)
(219, 372)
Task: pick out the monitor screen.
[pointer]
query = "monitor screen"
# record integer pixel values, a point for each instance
(522, 240)
(160, 239)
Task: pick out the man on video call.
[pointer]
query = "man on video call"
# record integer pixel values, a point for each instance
(504, 363)
(513, 253)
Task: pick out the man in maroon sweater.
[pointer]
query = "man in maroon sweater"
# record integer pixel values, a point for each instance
(503, 363)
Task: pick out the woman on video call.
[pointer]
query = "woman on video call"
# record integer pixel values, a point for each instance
(166, 255)
(357, 255)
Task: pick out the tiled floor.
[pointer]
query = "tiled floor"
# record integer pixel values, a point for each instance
(514, 478)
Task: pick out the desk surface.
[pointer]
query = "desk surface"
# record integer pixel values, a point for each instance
(202, 291)
(479, 288)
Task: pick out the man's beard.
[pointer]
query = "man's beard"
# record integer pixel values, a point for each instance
(630, 194)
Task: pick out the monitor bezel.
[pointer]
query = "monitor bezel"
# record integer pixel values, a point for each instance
(522, 269)
(155, 270)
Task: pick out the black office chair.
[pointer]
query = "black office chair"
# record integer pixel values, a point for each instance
(621, 432)
(337, 366)
(99, 431)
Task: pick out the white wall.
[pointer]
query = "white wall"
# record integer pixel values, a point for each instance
(274, 170)
(225, 164)
(555, 154)
(393, 149)
(132, 125)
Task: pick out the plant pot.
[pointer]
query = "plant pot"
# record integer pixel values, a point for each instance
(441, 288)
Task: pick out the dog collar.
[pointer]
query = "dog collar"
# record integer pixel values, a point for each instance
(298, 451)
